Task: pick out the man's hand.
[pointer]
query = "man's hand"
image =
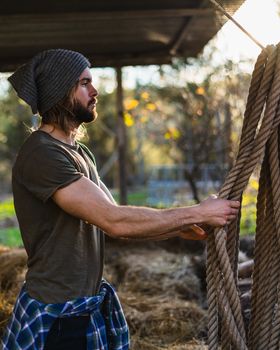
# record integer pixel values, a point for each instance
(193, 232)
(218, 212)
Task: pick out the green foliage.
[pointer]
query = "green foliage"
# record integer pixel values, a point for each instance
(7, 209)
(134, 198)
(10, 237)
(248, 220)
(14, 118)
(188, 121)
(249, 211)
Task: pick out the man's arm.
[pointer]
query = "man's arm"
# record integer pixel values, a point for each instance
(85, 200)
(108, 193)
(192, 232)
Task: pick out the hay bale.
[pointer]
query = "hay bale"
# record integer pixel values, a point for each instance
(7, 300)
(140, 344)
(154, 286)
(157, 272)
(163, 321)
(192, 345)
(12, 268)
(12, 272)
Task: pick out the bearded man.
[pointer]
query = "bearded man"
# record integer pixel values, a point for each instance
(64, 210)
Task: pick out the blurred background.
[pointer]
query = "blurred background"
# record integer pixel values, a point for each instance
(183, 121)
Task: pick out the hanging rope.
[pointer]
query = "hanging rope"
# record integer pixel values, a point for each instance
(259, 144)
(221, 9)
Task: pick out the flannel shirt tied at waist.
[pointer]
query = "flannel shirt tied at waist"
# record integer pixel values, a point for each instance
(31, 321)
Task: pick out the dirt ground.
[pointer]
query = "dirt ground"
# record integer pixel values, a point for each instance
(161, 288)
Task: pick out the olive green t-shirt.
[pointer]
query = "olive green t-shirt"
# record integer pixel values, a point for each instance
(65, 254)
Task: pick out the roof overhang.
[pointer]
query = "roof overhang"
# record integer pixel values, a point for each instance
(110, 33)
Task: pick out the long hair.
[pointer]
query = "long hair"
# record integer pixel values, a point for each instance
(61, 114)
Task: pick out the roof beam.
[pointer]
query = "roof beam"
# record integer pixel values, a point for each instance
(181, 35)
(7, 64)
(108, 15)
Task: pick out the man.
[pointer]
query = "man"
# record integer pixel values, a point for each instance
(63, 209)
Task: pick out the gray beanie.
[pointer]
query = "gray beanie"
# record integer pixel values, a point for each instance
(48, 77)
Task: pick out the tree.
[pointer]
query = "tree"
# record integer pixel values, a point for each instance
(194, 123)
(208, 120)
(15, 120)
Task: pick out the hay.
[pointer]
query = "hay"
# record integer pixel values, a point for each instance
(3, 249)
(193, 345)
(161, 296)
(12, 272)
(7, 301)
(12, 266)
(139, 344)
(158, 272)
(159, 291)
(161, 321)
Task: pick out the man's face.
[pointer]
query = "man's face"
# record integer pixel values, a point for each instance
(85, 99)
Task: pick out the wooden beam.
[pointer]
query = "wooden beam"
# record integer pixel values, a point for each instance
(121, 139)
(52, 6)
(105, 15)
(9, 63)
(179, 38)
(181, 35)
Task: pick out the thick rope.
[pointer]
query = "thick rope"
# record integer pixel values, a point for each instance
(259, 143)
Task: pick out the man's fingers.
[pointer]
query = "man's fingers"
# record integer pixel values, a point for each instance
(234, 204)
(197, 229)
(194, 232)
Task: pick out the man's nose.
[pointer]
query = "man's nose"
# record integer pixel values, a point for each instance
(93, 91)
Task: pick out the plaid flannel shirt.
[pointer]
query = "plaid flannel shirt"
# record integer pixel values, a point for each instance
(31, 321)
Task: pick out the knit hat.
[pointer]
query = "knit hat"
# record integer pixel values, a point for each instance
(48, 77)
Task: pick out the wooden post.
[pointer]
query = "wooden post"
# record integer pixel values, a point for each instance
(121, 139)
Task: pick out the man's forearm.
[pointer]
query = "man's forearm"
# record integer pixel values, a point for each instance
(148, 223)
(139, 218)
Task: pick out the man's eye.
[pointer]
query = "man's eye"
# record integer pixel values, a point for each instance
(85, 82)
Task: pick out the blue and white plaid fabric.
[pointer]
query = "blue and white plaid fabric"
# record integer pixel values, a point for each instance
(31, 321)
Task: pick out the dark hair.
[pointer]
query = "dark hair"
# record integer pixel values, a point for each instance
(61, 113)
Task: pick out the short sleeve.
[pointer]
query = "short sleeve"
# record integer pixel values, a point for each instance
(46, 170)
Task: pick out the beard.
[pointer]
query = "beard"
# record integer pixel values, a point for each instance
(85, 114)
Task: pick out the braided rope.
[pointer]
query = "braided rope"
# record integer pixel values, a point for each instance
(273, 267)
(260, 135)
(260, 243)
